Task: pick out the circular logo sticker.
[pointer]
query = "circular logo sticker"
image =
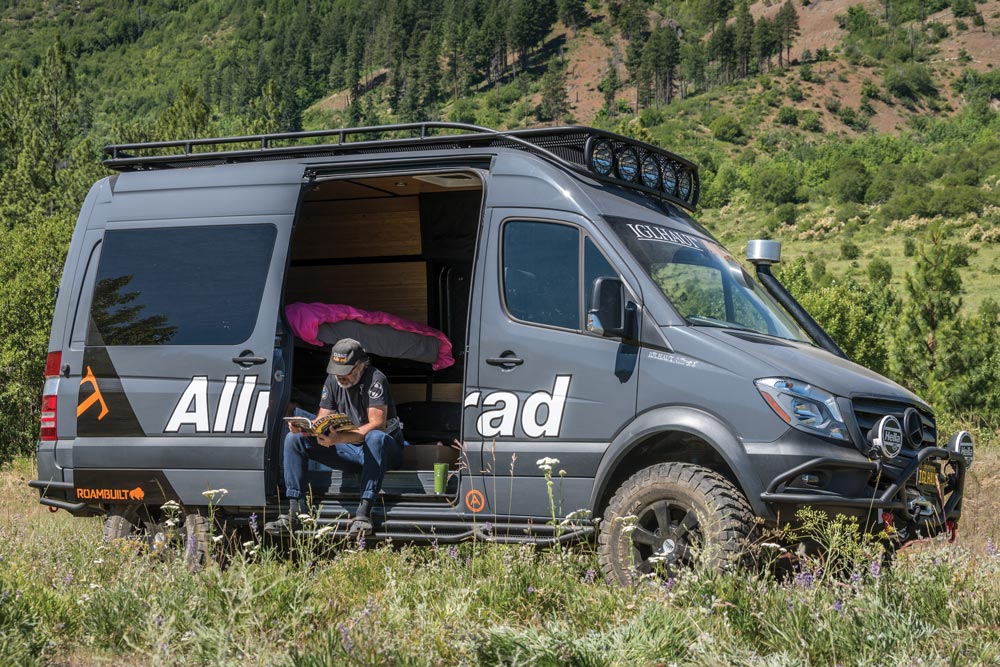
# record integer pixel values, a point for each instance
(376, 390)
(475, 501)
(326, 393)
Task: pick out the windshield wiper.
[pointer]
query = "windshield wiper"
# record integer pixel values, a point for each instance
(702, 320)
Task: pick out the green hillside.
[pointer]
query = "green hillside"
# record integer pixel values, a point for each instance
(864, 135)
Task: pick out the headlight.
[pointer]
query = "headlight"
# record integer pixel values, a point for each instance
(803, 406)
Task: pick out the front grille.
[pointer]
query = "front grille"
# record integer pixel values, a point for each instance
(867, 412)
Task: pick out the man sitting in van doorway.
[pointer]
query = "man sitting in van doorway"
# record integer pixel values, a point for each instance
(361, 391)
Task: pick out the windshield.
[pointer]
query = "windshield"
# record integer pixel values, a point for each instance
(703, 281)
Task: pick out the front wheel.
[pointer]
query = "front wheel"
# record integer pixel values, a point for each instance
(185, 535)
(669, 516)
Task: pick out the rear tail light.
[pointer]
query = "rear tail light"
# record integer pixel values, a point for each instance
(49, 393)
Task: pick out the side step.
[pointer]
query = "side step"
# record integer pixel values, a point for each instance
(439, 523)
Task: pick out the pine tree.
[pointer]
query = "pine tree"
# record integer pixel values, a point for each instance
(787, 21)
(572, 13)
(744, 29)
(555, 101)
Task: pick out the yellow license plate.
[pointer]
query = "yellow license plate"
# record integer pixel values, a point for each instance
(927, 475)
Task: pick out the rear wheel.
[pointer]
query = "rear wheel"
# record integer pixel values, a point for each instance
(668, 517)
(188, 537)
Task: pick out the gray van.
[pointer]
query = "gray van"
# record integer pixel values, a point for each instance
(593, 323)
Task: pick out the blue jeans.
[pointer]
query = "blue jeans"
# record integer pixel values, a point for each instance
(380, 452)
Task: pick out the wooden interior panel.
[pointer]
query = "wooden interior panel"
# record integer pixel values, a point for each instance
(399, 288)
(407, 393)
(358, 228)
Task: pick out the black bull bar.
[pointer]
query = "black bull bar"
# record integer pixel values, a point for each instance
(891, 499)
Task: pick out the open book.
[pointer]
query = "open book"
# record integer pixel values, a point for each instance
(335, 421)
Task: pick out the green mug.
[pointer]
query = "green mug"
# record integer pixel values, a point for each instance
(440, 477)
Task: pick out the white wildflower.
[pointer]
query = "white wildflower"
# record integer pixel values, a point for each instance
(546, 461)
(170, 505)
(170, 523)
(324, 530)
(212, 493)
(217, 538)
(248, 544)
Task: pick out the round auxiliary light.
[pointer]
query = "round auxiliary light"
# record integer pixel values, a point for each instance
(628, 165)
(684, 184)
(650, 171)
(886, 437)
(669, 177)
(602, 158)
(961, 443)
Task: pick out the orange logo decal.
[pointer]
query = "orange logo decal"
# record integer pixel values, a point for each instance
(136, 494)
(96, 397)
(475, 501)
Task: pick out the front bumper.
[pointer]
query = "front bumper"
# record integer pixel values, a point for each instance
(890, 488)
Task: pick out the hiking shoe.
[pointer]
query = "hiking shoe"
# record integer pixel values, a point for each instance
(283, 525)
(361, 525)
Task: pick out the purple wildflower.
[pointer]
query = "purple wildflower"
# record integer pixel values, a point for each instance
(669, 584)
(361, 541)
(254, 527)
(590, 575)
(532, 589)
(855, 577)
(488, 527)
(345, 637)
(805, 580)
(453, 552)
(876, 568)
(68, 579)
(158, 620)
(790, 605)
(991, 548)
(838, 606)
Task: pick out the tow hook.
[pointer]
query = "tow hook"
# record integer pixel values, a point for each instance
(952, 527)
(53, 509)
(887, 520)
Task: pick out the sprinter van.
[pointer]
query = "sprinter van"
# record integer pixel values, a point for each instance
(582, 328)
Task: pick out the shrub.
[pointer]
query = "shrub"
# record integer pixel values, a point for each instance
(879, 271)
(786, 214)
(852, 119)
(809, 120)
(963, 8)
(794, 92)
(961, 26)
(726, 128)
(788, 116)
(806, 74)
(909, 247)
(832, 104)
(869, 90)
(938, 31)
(849, 181)
(909, 81)
(776, 183)
(849, 250)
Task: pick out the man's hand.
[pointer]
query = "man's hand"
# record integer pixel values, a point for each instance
(326, 439)
(293, 428)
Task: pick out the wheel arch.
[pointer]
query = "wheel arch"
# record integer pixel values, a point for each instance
(676, 434)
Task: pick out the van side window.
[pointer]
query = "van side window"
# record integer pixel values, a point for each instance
(541, 273)
(180, 285)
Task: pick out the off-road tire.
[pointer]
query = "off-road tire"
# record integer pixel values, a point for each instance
(135, 524)
(724, 517)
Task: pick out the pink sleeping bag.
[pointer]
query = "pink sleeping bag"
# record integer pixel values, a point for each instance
(380, 333)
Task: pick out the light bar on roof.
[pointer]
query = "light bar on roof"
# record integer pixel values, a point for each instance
(647, 168)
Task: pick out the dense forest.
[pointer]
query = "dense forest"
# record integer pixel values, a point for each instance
(892, 232)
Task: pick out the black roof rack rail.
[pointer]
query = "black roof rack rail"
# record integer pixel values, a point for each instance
(672, 177)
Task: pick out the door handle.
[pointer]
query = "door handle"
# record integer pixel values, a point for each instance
(247, 359)
(507, 360)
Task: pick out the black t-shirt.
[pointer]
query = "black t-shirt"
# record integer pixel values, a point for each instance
(372, 390)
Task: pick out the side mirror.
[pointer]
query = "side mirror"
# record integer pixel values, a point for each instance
(606, 316)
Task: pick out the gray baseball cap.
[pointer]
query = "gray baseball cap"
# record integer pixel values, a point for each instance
(345, 354)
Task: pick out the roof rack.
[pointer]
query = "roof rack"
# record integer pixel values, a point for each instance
(601, 155)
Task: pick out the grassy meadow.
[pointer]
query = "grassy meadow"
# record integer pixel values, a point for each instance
(67, 599)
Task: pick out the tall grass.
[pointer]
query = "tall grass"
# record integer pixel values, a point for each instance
(67, 598)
